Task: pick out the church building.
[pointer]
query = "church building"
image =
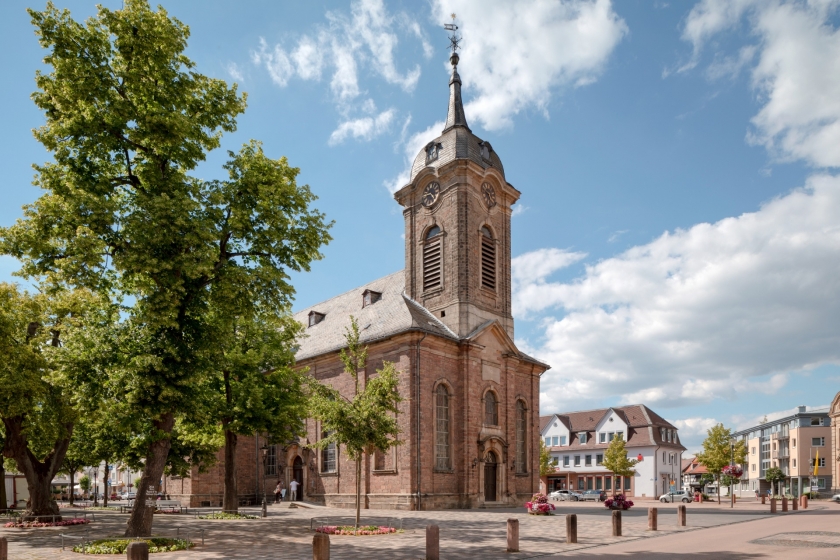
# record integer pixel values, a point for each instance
(470, 415)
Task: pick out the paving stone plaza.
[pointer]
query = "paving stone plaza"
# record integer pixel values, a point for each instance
(473, 534)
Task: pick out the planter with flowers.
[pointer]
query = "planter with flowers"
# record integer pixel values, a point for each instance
(539, 505)
(619, 502)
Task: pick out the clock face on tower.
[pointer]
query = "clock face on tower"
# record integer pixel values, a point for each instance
(430, 194)
(488, 194)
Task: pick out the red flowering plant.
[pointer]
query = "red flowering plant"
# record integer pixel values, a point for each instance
(38, 524)
(539, 505)
(618, 502)
(733, 470)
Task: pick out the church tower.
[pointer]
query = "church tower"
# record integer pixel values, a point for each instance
(457, 226)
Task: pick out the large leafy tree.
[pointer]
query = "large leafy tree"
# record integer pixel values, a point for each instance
(616, 460)
(719, 449)
(127, 121)
(365, 421)
(80, 453)
(256, 388)
(775, 476)
(36, 405)
(546, 463)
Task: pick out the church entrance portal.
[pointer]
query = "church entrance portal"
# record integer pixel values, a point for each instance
(490, 470)
(297, 474)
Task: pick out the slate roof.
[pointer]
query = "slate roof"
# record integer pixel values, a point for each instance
(393, 314)
(643, 427)
(457, 140)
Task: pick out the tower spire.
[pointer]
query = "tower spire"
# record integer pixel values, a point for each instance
(455, 115)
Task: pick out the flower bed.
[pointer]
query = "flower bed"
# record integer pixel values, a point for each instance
(619, 502)
(38, 524)
(169, 511)
(539, 505)
(223, 515)
(351, 530)
(118, 546)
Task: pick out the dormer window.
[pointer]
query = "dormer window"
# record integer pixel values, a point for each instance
(582, 437)
(315, 318)
(485, 150)
(369, 297)
(432, 150)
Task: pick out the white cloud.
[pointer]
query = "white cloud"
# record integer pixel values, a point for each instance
(519, 209)
(364, 128)
(516, 53)
(365, 40)
(693, 428)
(714, 311)
(234, 72)
(796, 77)
(411, 148)
(730, 66)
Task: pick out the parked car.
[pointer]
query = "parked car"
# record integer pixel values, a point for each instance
(565, 496)
(683, 496)
(127, 495)
(836, 498)
(594, 495)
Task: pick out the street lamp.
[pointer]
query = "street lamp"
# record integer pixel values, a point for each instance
(731, 464)
(264, 450)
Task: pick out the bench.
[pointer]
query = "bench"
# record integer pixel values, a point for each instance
(169, 505)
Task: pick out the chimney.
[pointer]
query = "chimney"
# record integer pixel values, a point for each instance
(802, 409)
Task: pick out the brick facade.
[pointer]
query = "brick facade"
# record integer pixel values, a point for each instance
(459, 335)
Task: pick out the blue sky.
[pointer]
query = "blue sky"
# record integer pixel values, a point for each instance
(677, 239)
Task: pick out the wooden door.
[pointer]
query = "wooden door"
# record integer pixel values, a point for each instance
(490, 473)
(297, 474)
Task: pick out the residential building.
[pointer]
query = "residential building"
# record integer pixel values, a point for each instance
(577, 442)
(798, 443)
(470, 410)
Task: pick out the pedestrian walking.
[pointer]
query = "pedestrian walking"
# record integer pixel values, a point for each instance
(293, 486)
(278, 491)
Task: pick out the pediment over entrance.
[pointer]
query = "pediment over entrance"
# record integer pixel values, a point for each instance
(834, 410)
(491, 335)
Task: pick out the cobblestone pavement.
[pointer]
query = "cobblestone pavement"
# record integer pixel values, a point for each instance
(465, 534)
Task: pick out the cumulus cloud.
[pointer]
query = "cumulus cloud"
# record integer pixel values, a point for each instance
(515, 54)
(411, 147)
(714, 311)
(364, 128)
(796, 76)
(692, 428)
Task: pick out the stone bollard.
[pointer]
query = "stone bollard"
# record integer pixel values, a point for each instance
(138, 551)
(784, 503)
(653, 513)
(772, 505)
(795, 503)
(513, 535)
(763, 497)
(803, 502)
(321, 547)
(571, 528)
(616, 518)
(432, 542)
(681, 516)
(4, 547)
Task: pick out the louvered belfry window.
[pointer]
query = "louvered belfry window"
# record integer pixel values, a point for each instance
(488, 259)
(442, 428)
(432, 259)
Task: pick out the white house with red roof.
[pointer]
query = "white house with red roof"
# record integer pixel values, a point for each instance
(577, 442)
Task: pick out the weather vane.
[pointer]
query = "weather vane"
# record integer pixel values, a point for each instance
(454, 40)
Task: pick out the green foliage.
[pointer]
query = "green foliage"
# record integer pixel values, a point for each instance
(546, 465)
(717, 451)
(774, 474)
(84, 483)
(366, 422)
(707, 478)
(127, 120)
(616, 460)
(119, 546)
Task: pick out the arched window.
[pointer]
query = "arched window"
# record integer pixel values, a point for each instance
(491, 409)
(488, 259)
(521, 456)
(442, 448)
(328, 456)
(432, 261)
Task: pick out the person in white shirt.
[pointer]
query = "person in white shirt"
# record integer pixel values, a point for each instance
(293, 487)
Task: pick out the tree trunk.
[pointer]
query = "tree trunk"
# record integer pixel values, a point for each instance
(3, 498)
(72, 484)
(140, 521)
(39, 475)
(230, 500)
(105, 485)
(358, 488)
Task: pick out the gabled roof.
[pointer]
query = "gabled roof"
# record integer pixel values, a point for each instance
(394, 313)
